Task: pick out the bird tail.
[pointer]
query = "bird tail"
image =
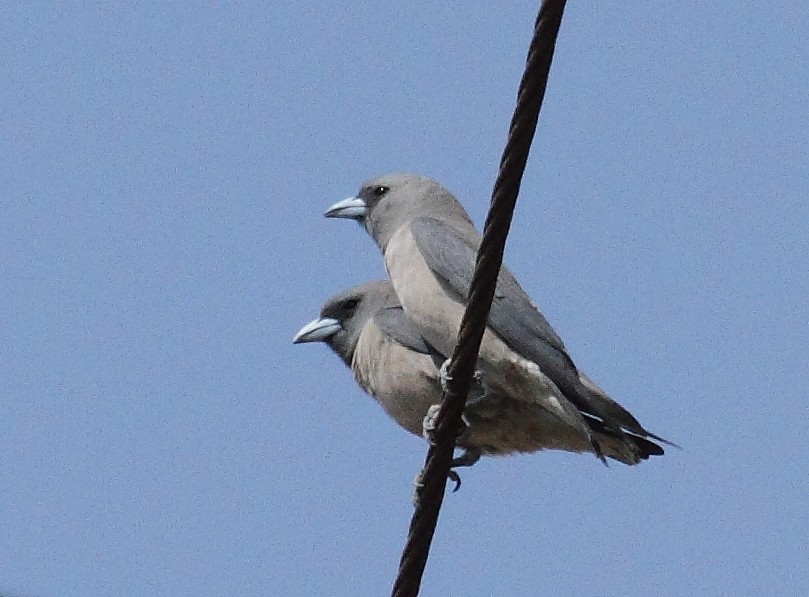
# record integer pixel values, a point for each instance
(619, 415)
(626, 447)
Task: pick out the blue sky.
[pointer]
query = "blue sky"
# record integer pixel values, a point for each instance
(163, 175)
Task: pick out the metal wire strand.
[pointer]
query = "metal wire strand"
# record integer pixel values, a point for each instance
(481, 293)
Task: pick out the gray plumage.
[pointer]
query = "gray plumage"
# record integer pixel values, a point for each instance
(368, 329)
(389, 358)
(429, 245)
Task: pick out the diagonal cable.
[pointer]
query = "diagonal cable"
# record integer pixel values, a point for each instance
(481, 293)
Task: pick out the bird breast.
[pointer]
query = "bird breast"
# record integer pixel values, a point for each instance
(403, 381)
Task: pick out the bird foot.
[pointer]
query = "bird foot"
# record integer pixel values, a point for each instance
(418, 483)
(477, 389)
(428, 425)
(469, 457)
(444, 376)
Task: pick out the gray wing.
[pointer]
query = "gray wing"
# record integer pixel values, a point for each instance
(452, 258)
(393, 322)
(514, 317)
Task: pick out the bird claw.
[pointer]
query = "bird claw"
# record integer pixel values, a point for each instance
(418, 485)
(477, 391)
(428, 424)
(477, 387)
(444, 376)
(455, 478)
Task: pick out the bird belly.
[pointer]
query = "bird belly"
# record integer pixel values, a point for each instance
(402, 381)
(499, 425)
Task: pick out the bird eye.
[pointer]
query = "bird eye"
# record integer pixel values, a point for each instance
(380, 190)
(351, 304)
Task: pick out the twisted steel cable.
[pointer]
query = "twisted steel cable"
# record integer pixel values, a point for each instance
(481, 293)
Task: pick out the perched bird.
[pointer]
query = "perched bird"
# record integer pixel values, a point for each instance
(368, 329)
(429, 245)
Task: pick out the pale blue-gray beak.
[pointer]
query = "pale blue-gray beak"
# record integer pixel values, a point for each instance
(352, 208)
(317, 331)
